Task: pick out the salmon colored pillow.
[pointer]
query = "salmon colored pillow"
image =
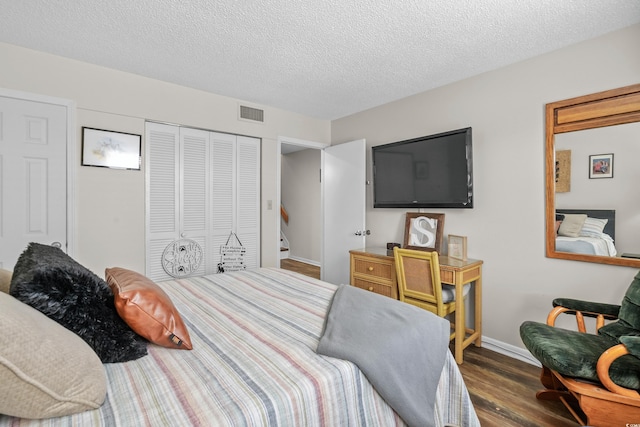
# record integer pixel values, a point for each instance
(147, 309)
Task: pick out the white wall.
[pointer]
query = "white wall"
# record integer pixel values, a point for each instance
(506, 228)
(606, 193)
(110, 211)
(301, 196)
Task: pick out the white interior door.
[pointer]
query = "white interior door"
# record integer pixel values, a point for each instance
(344, 207)
(33, 176)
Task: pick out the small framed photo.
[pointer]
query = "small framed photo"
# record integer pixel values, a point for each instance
(601, 166)
(457, 247)
(423, 231)
(109, 149)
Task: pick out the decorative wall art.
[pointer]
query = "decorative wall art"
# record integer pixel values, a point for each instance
(110, 149)
(563, 171)
(423, 231)
(601, 166)
(457, 247)
(182, 258)
(232, 255)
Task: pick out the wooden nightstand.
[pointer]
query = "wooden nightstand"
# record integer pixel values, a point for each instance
(374, 272)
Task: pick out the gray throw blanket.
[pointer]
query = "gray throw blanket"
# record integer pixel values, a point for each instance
(400, 348)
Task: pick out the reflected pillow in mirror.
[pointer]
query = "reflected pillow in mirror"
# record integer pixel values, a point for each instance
(593, 227)
(571, 225)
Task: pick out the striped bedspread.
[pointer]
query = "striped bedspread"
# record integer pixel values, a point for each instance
(254, 335)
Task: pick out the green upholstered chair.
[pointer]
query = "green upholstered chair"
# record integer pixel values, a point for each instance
(596, 375)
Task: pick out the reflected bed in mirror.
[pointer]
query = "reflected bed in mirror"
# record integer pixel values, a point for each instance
(577, 130)
(586, 231)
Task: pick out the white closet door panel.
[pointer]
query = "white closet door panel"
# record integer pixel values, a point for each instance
(162, 157)
(248, 160)
(195, 174)
(222, 183)
(162, 196)
(248, 197)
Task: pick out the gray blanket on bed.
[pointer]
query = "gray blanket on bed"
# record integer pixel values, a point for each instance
(400, 348)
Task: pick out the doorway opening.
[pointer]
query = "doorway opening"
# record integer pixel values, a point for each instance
(299, 199)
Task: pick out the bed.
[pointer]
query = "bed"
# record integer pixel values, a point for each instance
(254, 363)
(591, 232)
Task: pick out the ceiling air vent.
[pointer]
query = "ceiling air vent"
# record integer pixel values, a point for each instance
(250, 113)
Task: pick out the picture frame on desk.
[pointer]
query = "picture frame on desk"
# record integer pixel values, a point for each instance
(423, 231)
(457, 247)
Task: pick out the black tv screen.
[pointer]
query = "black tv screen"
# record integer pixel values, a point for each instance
(434, 171)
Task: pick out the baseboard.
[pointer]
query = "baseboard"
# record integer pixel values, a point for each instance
(306, 261)
(510, 350)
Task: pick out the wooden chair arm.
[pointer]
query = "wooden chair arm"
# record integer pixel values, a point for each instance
(580, 315)
(602, 368)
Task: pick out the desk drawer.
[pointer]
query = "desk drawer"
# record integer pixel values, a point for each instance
(452, 277)
(378, 288)
(373, 267)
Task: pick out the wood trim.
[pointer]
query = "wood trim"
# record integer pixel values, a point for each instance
(607, 108)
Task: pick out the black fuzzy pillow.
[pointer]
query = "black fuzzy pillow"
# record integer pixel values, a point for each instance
(53, 283)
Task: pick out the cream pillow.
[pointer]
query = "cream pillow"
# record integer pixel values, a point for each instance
(5, 280)
(571, 225)
(45, 369)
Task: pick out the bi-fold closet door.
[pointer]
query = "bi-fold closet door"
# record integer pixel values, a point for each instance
(200, 186)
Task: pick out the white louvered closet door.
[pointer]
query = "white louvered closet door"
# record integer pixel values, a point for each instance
(194, 195)
(248, 197)
(177, 170)
(162, 154)
(200, 185)
(223, 192)
(235, 194)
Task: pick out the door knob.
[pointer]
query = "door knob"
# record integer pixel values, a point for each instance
(57, 245)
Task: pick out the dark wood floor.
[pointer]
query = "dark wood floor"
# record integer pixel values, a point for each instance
(503, 392)
(300, 267)
(502, 389)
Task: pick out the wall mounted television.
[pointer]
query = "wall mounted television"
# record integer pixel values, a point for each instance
(434, 171)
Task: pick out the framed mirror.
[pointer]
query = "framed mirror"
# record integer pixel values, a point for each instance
(592, 210)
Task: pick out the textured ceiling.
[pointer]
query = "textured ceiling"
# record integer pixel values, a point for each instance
(322, 58)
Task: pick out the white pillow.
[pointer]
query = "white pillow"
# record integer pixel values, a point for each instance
(593, 227)
(45, 369)
(571, 225)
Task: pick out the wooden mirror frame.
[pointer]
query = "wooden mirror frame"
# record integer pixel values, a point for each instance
(608, 108)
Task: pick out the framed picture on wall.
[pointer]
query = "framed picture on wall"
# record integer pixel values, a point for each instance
(423, 231)
(109, 149)
(601, 166)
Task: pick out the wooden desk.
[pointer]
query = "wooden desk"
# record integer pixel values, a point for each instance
(374, 269)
